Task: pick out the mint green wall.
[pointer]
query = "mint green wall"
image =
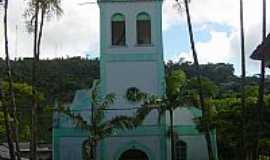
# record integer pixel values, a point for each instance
(134, 54)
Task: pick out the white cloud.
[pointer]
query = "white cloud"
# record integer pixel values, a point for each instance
(226, 12)
(74, 34)
(77, 32)
(217, 49)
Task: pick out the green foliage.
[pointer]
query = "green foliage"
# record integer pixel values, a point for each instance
(175, 81)
(2, 128)
(58, 78)
(210, 89)
(134, 94)
(226, 116)
(23, 93)
(252, 90)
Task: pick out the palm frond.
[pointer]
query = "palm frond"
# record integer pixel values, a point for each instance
(77, 118)
(100, 109)
(117, 123)
(141, 114)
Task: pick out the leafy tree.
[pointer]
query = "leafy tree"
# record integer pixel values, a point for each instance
(23, 93)
(227, 120)
(99, 127)
(211, 90)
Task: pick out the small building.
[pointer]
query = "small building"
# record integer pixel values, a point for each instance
(131, 52)
(263, 51)
(44, 151)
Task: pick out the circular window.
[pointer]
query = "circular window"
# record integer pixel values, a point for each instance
(134, 94)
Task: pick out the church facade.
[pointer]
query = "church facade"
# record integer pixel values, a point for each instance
(131, 55)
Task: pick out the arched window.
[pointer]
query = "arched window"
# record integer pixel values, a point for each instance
(118, 30)
(143, 29)
(181, 150)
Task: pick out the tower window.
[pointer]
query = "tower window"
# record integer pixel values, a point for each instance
(181, 150)
(118, 30)
(143, 29)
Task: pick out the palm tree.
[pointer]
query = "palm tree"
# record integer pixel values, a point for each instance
(172, 100)
(37, 11)
(243, 84)
(199, 77)
(11, 94)
(99, 128)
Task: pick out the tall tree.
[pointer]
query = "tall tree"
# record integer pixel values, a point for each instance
(260, 102)
(14, 131)
(243, 84)
(99, 127)
(175, 81)
(199, 77)
(38, 10)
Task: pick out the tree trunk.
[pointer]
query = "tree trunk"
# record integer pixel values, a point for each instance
(7, 126)
(12, 100)
(93, 151)
(34, 85)
(196, 62)
(40, 32)
(243, 84)
(172, 136)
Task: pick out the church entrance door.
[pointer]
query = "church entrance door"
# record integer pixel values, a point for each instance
(133, 154)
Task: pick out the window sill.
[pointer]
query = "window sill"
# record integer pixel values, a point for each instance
(144, 45)
(118, 46)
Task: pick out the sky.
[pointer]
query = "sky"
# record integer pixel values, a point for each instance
(216, 30)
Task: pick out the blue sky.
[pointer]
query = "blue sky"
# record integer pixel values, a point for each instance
(216, 31)
(176, 39)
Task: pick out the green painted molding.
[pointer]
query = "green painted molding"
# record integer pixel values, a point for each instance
(118, 17)
(125, 57)
(140, 131)
(134, 145)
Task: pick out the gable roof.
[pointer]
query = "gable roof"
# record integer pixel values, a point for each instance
(263, 51)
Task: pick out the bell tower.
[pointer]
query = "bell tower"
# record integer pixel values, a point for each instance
(131, 47)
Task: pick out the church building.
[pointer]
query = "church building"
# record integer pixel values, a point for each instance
(131, 55)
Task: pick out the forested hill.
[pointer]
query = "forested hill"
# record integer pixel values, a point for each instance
(59, 78)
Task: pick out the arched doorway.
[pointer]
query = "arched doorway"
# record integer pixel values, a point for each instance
(133, 154)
